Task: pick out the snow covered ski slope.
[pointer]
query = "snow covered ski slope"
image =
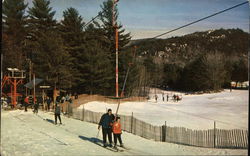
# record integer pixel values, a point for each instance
(228, 109)
(26, 134)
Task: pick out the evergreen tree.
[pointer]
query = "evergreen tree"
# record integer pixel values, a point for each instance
(54, 61)
(71, 28)
(51, 61)
(41, 17)
(98, 62)
(14, 32)
(107, 24)
(205, 73)
(150, 70)
(240, 71)
(172, 73)
(109, 32)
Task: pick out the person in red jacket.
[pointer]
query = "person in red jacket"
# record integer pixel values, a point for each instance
(26, 103)
(117, 131)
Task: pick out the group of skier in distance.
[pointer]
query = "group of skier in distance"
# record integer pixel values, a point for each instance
(175, 97)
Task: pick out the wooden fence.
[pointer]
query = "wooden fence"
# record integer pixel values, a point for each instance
(213, 138)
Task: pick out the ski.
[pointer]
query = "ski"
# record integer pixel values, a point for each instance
(109, 148)
(125, 148)
(118, 150)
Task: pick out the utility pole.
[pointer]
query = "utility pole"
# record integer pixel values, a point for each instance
(1, 104)
(30, 70)
(30, 74)
(34, 85)
(114, 24)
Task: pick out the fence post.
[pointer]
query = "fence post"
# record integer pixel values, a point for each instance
(68, 108)
(132, 123)
(163, 131)
(214, 134)
(83, 113)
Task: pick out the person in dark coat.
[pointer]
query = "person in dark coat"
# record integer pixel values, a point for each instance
(57, 113)
(156, 97)
(76, 96)
(48, 100)
(36, 105)
(174, 96)
(106, 122)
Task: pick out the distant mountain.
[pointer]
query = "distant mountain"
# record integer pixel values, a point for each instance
(231, 42)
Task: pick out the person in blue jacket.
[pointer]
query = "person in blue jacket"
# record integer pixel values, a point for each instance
(106, 122)
(57, 112)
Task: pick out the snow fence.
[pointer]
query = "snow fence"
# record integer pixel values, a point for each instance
(212, 138)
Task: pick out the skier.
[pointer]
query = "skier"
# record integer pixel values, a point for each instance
(76, 96)
(63, 99)
(167, 97)
(162, 96)
(156, 98)
(57, 113)
(106, 122)
(67, 97)
(48, 103)
(174, 96)
(36, 105)
(70, 100)
(177, 98)
(117, 131)
(26, 103)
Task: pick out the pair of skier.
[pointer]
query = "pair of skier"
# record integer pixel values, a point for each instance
(110, 124)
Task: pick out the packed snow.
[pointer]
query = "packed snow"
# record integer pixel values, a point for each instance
(27, 134)
(228, 109)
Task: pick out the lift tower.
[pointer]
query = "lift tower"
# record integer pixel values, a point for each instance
(13, 79)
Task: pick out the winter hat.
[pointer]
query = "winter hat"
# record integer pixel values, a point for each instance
(109, 109)
(117, 118)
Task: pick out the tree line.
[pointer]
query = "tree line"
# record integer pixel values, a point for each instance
(201, 61)
(78, 58)
(65, 53)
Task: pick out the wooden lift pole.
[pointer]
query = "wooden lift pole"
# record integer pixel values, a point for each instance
(114, 23)
(34, 91)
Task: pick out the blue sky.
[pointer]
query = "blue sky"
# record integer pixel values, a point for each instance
(148, 18)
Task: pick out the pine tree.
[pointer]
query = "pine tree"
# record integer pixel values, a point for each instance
(109, 32)
(205, 73)
(51, 61)
(54, 61)
(14, 32)
(240, 71)
(71, 28)
(41, 17)
(98, 62)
